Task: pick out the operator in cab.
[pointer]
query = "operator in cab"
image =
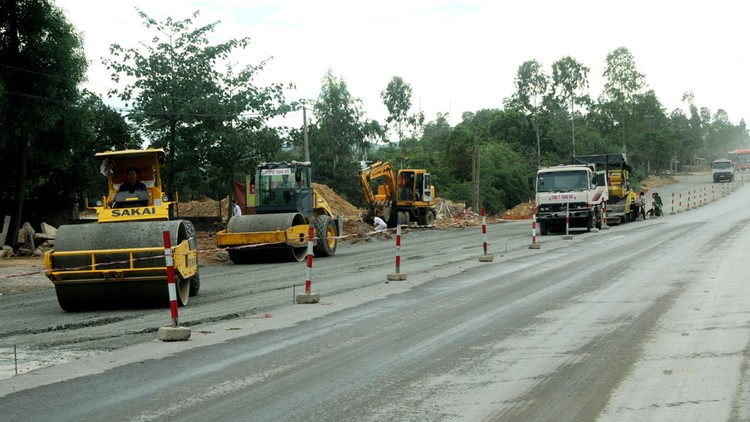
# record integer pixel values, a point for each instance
(132, 184)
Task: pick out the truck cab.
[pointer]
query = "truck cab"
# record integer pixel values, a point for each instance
(722, 170)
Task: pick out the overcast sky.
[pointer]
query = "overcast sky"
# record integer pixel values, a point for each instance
(457, 55)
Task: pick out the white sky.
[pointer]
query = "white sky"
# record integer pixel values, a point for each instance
(457, 55)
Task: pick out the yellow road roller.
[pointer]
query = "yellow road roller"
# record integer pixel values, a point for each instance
(119, 262)
(286, 204)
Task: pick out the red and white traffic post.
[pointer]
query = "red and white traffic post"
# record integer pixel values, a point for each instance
(604, 216)
(173, 332)
(533, 244)
(397, 275)
(485, 257)
(169, 259)
(672, 212)
(567, 236)
(308, 296)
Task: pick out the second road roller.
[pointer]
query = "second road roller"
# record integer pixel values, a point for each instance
(286, 204)
(120, 261)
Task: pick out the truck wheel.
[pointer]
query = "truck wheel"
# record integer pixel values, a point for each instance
(325, 231)
(543, 228)
(429, 218)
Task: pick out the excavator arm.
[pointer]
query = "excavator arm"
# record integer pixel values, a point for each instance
(386, 191)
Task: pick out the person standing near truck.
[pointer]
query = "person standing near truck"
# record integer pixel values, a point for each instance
(641, 206)
(657, 203)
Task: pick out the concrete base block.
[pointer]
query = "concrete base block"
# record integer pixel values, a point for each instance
(486, 258)
(173, 333)
(605, 227)
(568, 237)
(308, 298)
(396, 277)
(534, 246)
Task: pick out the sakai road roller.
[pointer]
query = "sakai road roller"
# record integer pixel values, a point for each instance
(120, 261)
(286, 204)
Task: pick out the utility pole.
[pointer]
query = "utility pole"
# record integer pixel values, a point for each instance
(475, 174)
(304, 130)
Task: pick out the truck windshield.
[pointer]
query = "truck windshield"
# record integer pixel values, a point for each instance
(562, 181)
(722, 165)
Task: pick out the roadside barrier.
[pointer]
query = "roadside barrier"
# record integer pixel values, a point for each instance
(695, 199)
(309, 297)
(672, 212)
(485, 257)
(174, 332)
(533, 245)
(170, 278)
(604, 216)
(567, 236)
(397, 275)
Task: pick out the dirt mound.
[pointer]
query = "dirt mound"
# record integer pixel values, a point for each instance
(339, 205)
(203, 207)
(656, 181)
(521, 211)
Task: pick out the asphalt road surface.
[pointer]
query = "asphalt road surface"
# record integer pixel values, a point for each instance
(644, 321)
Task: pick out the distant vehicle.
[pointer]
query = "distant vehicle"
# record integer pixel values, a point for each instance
(722, 170)
(740, 158)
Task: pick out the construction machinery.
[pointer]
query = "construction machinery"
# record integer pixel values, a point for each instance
(398, 197)
(120, 261)
(615, 167)
(286, 204)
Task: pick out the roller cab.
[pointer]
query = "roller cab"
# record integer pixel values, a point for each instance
(286, 205)
(120, 261)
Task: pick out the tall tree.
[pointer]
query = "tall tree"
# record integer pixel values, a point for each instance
(397, 99)
(531, 86)
(569, 80)
(623, 82)
(340, 136)
(182, 101)
(41, 64)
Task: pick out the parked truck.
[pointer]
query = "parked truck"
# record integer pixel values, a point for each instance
(573, 192)
(398, 197)
(617, 172)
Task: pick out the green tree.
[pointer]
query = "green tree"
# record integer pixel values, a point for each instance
(339, 136)
(623, 82)
(41, 64)
(397, 99)
(531, 87)
(183, 103)
(569, 80)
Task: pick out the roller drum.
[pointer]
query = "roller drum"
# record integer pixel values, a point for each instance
(148, 291)
(265, 223)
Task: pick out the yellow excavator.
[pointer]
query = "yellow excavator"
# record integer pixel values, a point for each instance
(286, 204)
(398, 197)
(120, 261)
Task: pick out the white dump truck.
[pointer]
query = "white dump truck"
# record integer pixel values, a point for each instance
(570, 191)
